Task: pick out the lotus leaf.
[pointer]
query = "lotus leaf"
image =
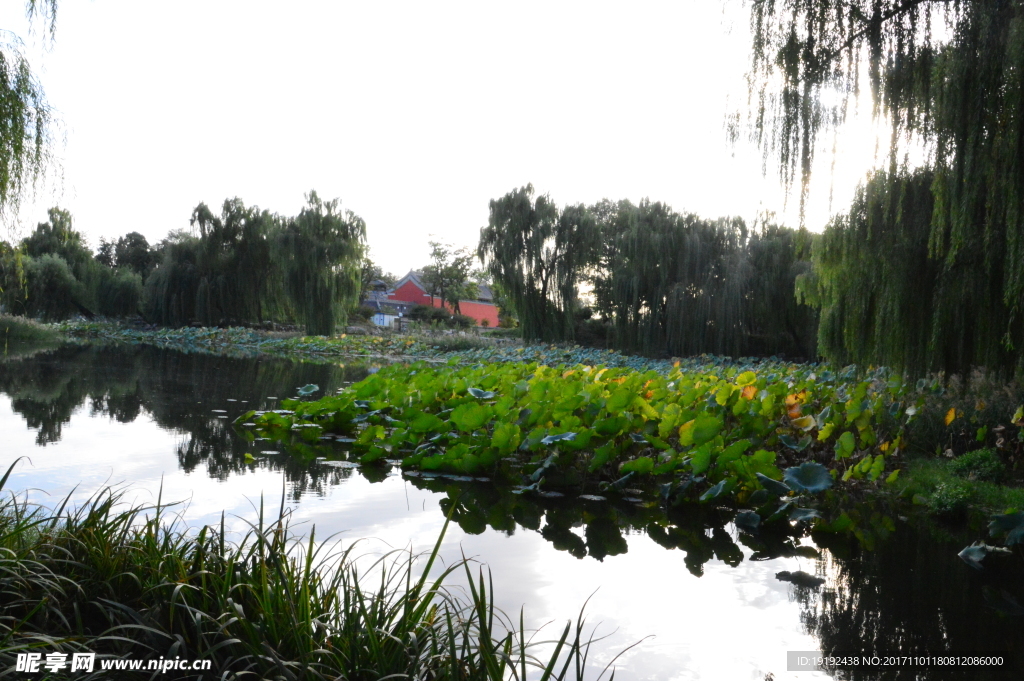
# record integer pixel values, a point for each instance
(808, 477)
(1010, 524)
(748, 521)
(562, 437)
(713, 492)
(773, 486)
(470, 416)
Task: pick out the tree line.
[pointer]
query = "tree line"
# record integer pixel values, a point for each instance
(663, 282)
(242, 266)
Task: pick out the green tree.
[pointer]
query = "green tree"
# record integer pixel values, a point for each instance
(25, 117)
(322, 251)
(960, 100)
(224, 271)
(448, 275)
(538, 255)
(678, 284)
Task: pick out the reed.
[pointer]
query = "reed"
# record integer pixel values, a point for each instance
(136, 582)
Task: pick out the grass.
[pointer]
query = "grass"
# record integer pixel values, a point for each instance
(23, 330)
(135, 583)
(947, 491)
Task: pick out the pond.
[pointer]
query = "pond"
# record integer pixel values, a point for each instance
(706, 601)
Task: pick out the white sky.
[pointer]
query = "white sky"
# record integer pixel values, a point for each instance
(415, 114)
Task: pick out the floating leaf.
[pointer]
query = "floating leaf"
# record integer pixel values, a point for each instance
(563, 437)
(748, 521)
(976, 552)
(808, 477)
(481, 394)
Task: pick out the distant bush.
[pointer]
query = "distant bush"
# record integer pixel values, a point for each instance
(427, 313)
(981, 464)
(441, 316)
(461, 321)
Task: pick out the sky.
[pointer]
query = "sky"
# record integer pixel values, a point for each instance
(414, 114)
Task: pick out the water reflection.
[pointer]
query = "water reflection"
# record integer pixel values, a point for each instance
(148, 415)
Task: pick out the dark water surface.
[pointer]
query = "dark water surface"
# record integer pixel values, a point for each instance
(141, 418)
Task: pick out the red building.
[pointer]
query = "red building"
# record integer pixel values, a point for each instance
(410, 289)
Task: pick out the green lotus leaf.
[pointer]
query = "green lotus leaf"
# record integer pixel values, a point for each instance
(471, 416)
(705, 428)
(809, 476)
(773, 486)
(746, 378)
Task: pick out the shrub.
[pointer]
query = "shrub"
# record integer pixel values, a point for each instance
(981, 464)
(461, 321)
(950, 499)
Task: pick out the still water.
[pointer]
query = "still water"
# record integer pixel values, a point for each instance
(703, 599)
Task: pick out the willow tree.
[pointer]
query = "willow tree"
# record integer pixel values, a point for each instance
(681, 285)
(959, 98)
(25, 117)
(538, 253)
(322, 253)
(875, 281)
(222, 272)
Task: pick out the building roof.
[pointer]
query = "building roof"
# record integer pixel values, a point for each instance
(484, 293)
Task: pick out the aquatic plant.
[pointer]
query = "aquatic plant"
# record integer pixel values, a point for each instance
(719, 433)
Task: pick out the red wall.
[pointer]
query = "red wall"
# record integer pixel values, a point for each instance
(410, 292)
